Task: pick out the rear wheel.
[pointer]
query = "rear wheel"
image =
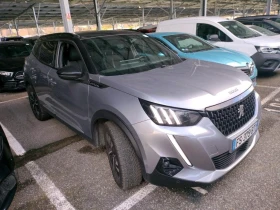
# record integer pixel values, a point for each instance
(39, 112)
(123, 161)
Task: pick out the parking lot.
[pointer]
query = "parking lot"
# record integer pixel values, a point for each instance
(57, 169)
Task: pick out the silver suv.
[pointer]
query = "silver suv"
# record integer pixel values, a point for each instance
(174, 122)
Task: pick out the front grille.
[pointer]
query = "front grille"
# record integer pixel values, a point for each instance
(229, 120)
(226, 159)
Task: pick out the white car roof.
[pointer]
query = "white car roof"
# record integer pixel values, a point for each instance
(207, 18)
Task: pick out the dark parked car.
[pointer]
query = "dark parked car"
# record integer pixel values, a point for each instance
(31, 40)
(275, 18)
(271, 24)
(160, 117)
(12, 57)
(8, 182)
(11, 38)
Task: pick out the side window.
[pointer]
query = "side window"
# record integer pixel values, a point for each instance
(70, 56)
(205, 30)
(47, 53)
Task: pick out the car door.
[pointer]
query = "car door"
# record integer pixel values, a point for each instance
(70, 97)
(39, 70)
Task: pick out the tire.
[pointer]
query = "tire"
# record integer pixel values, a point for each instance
(124, 163)
(38, 110)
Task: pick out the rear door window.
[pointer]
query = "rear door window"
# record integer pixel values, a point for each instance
(47, 53)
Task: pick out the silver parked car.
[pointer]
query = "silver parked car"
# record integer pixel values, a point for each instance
(174, 122)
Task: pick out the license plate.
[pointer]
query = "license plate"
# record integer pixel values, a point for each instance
(244, 136)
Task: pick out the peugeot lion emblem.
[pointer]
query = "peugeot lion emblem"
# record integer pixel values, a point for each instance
(241, 111)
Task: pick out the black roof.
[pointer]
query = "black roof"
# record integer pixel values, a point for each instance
(88, 34)
(260, 17)
(12, 43)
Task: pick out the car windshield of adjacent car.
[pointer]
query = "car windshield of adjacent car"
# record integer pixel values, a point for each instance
(273, 23)
(239, 30)
(14, 50)
(128, 54)
(263, 31)
(187, 44)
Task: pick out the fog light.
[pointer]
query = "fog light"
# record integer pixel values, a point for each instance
(169, 166)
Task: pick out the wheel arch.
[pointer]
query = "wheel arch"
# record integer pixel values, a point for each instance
(103, 116)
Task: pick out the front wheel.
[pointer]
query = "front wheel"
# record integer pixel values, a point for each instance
(39, 112)
(123, 160)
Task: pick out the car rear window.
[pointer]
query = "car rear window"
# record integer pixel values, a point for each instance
(14, 50)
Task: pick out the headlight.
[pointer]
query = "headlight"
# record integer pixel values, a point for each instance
(267, 50)
(5, 73)
(163, 115)
(251, 67)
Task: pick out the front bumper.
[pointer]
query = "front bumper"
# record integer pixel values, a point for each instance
(266, 62)
(12, 84)
(198, 143)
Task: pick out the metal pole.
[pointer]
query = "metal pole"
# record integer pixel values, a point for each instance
(143, 16)
(16, 26)
(203, 7)
(66, 16)
(244, 10)
(97, 15)
(171, 9)
(113, 24)
(36, 21)
(10, 29)
(54, 27)
(268, 7)
(216, 9)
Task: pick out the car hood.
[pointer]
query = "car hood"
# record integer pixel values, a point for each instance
(223, 56)
(267, 41)
(12, 64)
(192, 84)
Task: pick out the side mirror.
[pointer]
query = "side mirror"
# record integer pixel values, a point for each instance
(69, 73)
(213, 37)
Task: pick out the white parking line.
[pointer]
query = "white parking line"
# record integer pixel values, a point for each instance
(270, 96)
(138, 196)
(52, 192)
(3, 102)
(15, 145)
(200, 190)
(264, 86)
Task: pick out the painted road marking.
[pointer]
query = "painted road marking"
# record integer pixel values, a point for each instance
(3, 102)
(264, 86)
(138, 196)
(52, 192)
(15, 145)
(200, 190)
(270, 96)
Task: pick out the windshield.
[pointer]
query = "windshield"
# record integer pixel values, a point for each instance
(263, 31)
(16, 50)
(128, 54)
(239, 30)
(273, 23)
(186, 43)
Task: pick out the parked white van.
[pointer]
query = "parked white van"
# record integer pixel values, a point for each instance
(230, 34)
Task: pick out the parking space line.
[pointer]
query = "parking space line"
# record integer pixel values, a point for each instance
(15, 145)
(52, 192)
(3, 102)
(264, 86)
(138, 196)
(200, 190)
(270, 96)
